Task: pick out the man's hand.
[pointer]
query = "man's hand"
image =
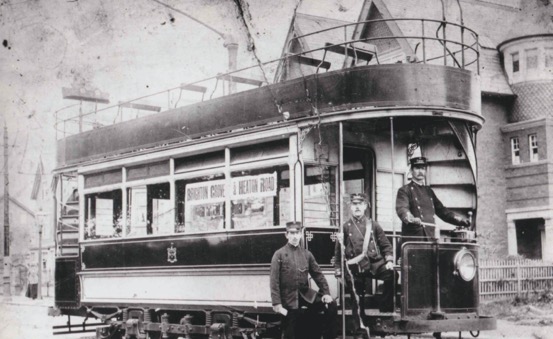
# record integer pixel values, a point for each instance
(413, 220)
(337, 273)
(462, 221)
(389, 265)
(340, 237)
(327, 299)
(277, 308)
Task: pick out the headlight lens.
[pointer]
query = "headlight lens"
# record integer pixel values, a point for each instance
(465, 265)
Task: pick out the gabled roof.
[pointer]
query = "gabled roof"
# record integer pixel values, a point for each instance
(305, 23)
(492, 76)
(38, 179)
(480, 16)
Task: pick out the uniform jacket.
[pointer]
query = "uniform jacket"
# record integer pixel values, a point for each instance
(289, 269)
(354, 235)
(422, 203)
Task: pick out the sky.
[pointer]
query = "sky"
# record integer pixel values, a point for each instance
(126, 48)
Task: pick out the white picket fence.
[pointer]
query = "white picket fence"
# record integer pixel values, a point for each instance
(509, 278)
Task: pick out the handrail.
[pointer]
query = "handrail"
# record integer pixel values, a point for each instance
(349, 45)
(379, 20)
(423, 37)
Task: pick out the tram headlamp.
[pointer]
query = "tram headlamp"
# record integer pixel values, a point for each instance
(465, 265)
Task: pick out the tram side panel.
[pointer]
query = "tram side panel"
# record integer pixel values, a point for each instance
(67, 287)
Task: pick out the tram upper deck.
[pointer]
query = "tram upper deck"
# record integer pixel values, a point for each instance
(334, 80)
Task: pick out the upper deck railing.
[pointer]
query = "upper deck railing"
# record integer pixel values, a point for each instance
(427, 41)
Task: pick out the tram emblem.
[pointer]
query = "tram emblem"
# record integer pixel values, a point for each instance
(172, 254)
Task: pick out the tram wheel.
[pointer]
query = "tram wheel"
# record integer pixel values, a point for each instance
(109, 333)
(437, 335)
(474, 334)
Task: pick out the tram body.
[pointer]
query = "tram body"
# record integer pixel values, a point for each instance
(175, 216)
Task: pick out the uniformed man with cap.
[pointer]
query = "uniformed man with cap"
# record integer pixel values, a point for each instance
(290, 290)
(363, 239)
(417, 203)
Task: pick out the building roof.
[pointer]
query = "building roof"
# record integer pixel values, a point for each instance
(491, 20)
(305, 24)
(492, 76)
(497, 20)
(18, 204)
(38, 180)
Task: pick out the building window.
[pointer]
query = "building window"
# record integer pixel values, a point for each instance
(529, 238)
(532, 58)
(516, 62)
(515, 151)
(533, 144)
(549, 57)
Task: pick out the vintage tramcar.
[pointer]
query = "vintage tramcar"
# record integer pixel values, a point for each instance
(167, 223)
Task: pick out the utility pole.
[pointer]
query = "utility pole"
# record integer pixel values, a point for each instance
(7, 260)
(40, 217)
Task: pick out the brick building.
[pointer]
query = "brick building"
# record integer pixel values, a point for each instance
(515, 179)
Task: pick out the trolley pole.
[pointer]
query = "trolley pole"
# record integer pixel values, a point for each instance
(7, 259)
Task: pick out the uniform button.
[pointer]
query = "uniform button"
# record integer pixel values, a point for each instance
(419, 207)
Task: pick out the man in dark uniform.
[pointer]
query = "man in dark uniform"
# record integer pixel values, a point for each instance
(364, 239)
(290, 290)
(417, 204)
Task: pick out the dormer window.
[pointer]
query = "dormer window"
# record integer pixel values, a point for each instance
(533, 145)
(515, 151)
(516, 62)
(549, 57)
(532, 58)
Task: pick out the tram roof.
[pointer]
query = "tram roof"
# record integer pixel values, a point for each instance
(343, 94)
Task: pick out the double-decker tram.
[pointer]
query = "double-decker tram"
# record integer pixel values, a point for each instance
(168, 222)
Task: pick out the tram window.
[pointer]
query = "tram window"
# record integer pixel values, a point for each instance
(200, 204)
(201, 161)
(319, 203)
(260, 198)
(150, 210)
(148, 171)
(104, 178)
(250, 153)
(103, 215)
